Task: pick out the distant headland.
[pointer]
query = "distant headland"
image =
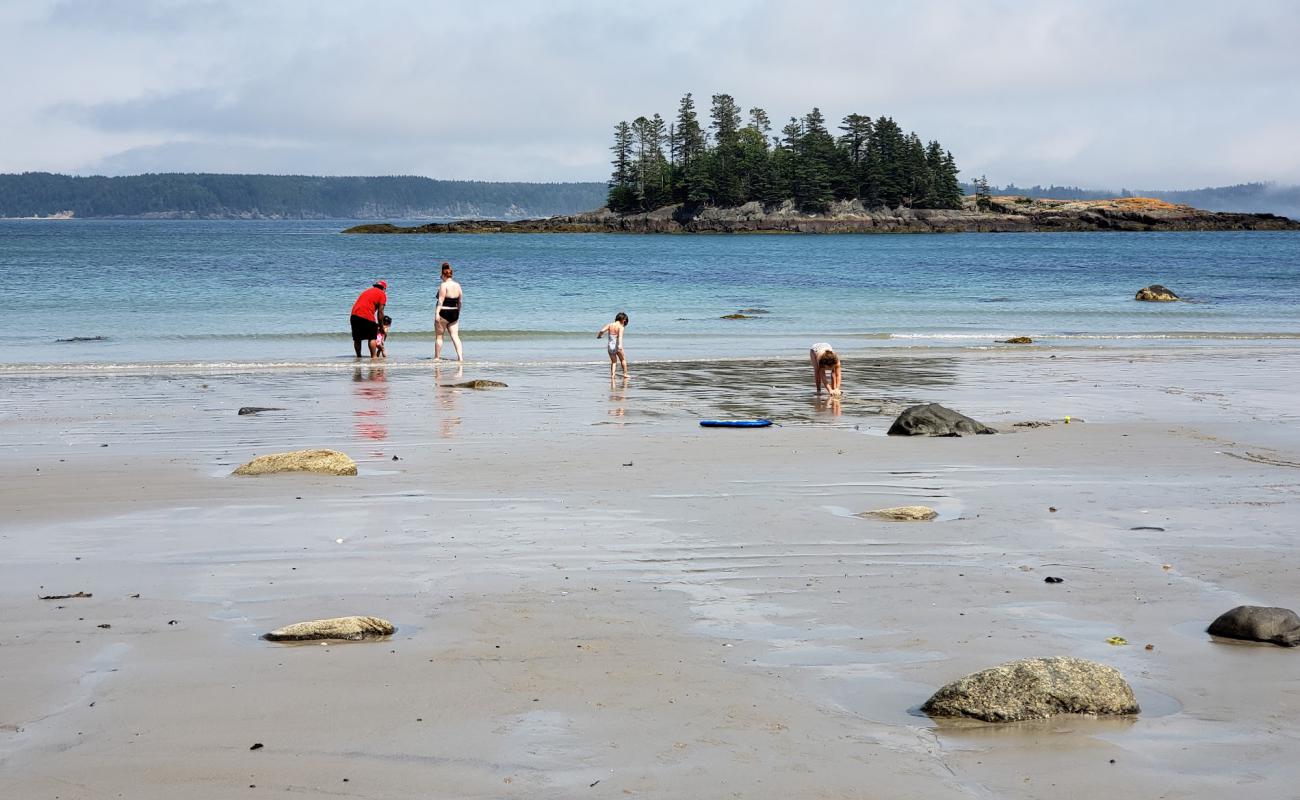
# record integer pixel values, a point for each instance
(994, 214)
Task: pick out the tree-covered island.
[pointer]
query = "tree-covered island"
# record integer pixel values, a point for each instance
(658, 163)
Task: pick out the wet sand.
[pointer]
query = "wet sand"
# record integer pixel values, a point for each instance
(597, 598)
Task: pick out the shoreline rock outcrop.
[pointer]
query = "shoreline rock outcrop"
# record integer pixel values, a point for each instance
(1035, 688)
(1009, 214)
(902, 514)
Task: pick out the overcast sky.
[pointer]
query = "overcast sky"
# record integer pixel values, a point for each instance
(1100, 94)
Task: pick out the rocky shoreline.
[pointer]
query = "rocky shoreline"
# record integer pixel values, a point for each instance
(1005, 215)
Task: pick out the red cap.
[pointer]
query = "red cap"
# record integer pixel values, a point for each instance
(382, 284)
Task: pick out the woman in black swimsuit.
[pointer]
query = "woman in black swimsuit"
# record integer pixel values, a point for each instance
(446, 317)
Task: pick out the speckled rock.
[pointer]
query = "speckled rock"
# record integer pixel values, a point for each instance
(902, 513)
(1155, 293)
(322, 462)
(347, 628)
(933, 419)
(1258, 624)
(1035, 688)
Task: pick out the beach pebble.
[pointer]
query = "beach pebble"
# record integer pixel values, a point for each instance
(1035, 688)
(323, 462)
(349, 628)
(933, 419)
(1278, 626)
(1155, 293)
(902, 513)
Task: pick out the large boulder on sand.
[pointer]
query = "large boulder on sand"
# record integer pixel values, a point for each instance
(322, 462)
(349, 628)
(902, 514)
(933, 419)
(1258, 624)
(1035, 688)
(1155, 293)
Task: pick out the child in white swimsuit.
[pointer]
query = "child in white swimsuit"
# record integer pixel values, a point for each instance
(826, 368)
(615, 344)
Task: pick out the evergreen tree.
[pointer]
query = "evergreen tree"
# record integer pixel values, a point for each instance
(948, 192)
(916, 175)
(622, 194)
(691, 183)
(726, 183)
(818, 163)
(983, 198)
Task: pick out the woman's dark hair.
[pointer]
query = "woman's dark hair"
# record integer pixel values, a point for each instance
(446, 267)
(620, 317)
(388, 320)
(828, 359)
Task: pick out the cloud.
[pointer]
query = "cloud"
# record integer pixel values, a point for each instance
(1103, 93)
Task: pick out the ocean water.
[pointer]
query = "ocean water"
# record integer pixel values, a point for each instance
(278, 292)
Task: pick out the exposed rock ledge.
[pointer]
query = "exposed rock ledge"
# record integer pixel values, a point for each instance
(1007, 215)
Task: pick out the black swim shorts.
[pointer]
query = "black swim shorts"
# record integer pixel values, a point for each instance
(363, 330)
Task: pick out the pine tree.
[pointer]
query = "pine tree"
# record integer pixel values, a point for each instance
(947, 188)
(691, 183)
(622, 194)
(726, 187)
(983, 198)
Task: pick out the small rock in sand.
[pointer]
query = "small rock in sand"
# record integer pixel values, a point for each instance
(1155, 293)
(246, 410)
(349, 628)
(1031, 423)
(1278, 626)
(1035, 688)
(323, 462)
(475, 384)
(933, 419)
(902, 513)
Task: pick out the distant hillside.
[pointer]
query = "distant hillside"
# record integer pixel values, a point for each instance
(1242, 197)
(211, 196)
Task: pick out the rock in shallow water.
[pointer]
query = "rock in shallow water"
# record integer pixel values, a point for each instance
(1270, 624)
(476, 384)
(322, 462)
(246, 410)
(1155, 293)
(1035, 688)
(933, 419)
(902, 513)
(348, 628)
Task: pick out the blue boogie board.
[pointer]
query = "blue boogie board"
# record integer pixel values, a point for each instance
(735, 423)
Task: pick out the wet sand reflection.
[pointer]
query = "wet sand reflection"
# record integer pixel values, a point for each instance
(783, 390)
(371, 413)
(448, 403)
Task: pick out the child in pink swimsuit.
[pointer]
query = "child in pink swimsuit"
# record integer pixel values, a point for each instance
(381, 337)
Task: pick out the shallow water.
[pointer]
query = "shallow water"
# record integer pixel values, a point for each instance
(240, 292)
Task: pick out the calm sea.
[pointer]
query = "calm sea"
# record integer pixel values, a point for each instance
(240, 292)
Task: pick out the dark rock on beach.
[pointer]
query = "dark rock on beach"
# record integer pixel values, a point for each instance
(1035, 688)
(1016, 340)
(736, 316)
(1155, 293)
(246, 410)
(933, 419)
(475, 384)
(1270, 624)
(71, 339)
(1009, 214)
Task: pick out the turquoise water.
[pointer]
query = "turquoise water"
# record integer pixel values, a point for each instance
(239, 292)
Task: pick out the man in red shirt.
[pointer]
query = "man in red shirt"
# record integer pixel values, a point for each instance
(366, 313)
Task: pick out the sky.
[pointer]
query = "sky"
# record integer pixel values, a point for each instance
(1102, 94)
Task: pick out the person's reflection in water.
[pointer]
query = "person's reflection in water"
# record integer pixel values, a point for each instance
(449, 420)
(370, 414)
(828, 405)
(618, 397)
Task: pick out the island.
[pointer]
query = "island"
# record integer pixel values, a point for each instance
(1001, 215)
(736, 177)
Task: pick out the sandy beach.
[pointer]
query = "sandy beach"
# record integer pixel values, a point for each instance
(596, 598)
